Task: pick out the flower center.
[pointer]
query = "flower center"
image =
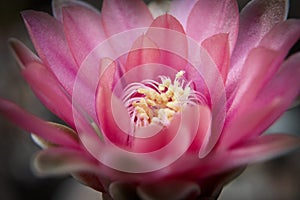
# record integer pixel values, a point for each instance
(151, 102)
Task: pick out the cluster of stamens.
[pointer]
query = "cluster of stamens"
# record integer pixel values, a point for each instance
(151, 102)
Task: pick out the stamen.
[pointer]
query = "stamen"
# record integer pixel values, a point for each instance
(151, 102)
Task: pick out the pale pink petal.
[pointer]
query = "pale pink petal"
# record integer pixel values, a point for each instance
(57, 6)
(272, 100)
(284, 87)
(169, 22)
(251, 151)
(280, 39)
(41, 142)
(49, 91)
(218, 48)
(23, 54)
(164, 31)
(260, 65)
(208, 18)
(256, 20)
(263, 148)
(48, 38)
(119, 16)
(82, 36)
(181, 10)
(203, 137)
(143, 51)
(104, 108)
(35, 125)
(245, 123)
(282, 36)
(61, 161)
(212, 88)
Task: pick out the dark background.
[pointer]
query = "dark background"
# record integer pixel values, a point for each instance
(278, 179)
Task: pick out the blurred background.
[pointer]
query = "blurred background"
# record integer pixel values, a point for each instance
(278, 179)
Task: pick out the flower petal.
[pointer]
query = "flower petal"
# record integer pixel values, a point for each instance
(181, 10)
(82, 36)
(245, 123)
(282, 36)
(204, 140)
(164, 31)
(218, 48)
(143, 51)
(250, 151)
(260, 65)
(60, 161)
(48, 38)
(208, 18)
(57, 6)
(263, 148)
(272, 100)
(23, 54)
(256, 19)
(119, 16)
(41, 142)
(35, 125)
(49, 91)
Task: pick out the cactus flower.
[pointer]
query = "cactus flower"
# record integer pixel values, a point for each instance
(165, 101)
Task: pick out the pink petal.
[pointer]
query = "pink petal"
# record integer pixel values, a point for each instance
(41, 142)
(84, 30)
(143, 51)
(280, 39)
(245, 123)
(208, 18)
(35, 125)
(263, 148)
(58, 5)
(203, 138)
(23, 54)
(61, 161)
(163, 31)
(273, 99)
(260, 65)
(251, 151)
(49, 91)
(48, 38)
(218, 48)
(256, 20)
(169, 22)
(212, 86)
(119, 16)
(282, 36)
(181, 10)
(104, 109)
(284, 87)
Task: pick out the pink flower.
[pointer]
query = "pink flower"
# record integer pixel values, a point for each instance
(180, 99)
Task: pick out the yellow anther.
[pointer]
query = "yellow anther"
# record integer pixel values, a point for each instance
(161, 103)
(150, 102)
(144, 116)
(164, 97)
(174, 105)
(161, 87)
(180, 74)
(142, 90)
